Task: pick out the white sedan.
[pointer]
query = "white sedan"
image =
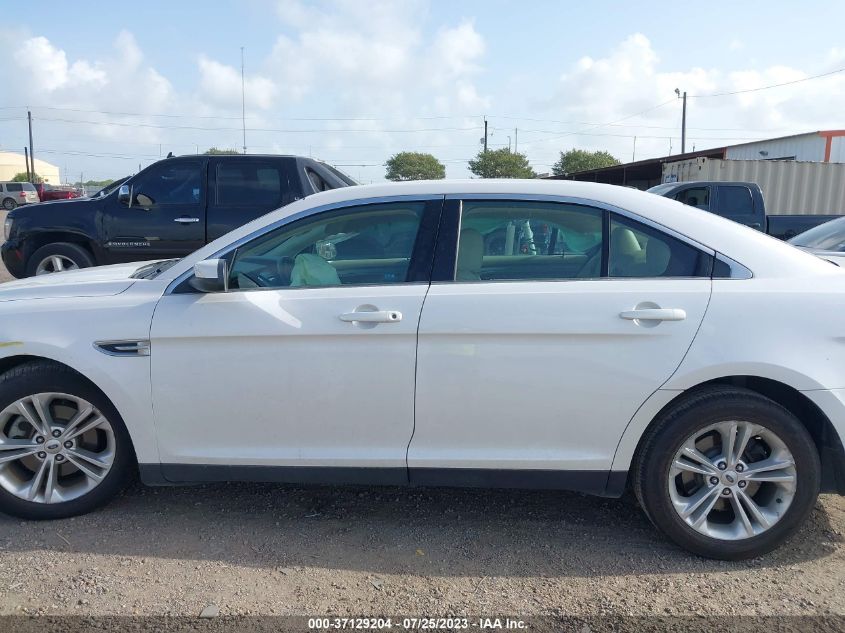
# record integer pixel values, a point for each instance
(525, 334)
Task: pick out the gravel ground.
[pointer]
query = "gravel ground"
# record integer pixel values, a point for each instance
(267, 549)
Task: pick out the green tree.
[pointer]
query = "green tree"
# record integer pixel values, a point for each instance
(414, 166)
(501, 163)
(580, 160)
(214, 151)
(21, 177)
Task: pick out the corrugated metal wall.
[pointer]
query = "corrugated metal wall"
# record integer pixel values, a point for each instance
(803, 147)
(789, 187)
(837, 149)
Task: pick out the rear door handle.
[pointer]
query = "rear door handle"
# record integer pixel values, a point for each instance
(185, 220)
(377, 316)
(655, 314)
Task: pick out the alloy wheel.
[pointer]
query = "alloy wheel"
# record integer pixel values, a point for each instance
(55, 264)
(732, 480)
(54, 448)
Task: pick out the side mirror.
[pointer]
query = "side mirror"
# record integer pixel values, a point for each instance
(211, 275)
(124, 195)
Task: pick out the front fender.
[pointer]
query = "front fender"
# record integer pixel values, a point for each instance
(64, 330)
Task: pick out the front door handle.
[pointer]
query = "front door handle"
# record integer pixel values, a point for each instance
(655, 314)
(376, 316)
(186, 220)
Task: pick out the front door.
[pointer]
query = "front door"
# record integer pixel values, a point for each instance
(561, 321)
(304, 370)
(164, 216)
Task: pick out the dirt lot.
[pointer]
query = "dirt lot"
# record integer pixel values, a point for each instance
(264, 549)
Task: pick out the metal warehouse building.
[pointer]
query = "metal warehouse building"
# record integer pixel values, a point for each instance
(826, 146)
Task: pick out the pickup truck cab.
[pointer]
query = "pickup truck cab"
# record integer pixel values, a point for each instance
(170, 209)
(741, 202)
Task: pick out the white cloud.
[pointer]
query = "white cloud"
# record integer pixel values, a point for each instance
(633, 78)
(222, 85)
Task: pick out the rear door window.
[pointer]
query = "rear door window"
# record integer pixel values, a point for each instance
(249, 183)
(639, 251)
(525, 240)
(735, 201)
(14, 186)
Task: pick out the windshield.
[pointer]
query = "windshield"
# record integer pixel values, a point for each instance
(153, 270)
(661, 189)
(829, 236)
(110, 187)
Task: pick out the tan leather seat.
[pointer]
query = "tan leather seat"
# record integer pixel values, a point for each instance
(625, 252)
(657, 256)
(470, 256)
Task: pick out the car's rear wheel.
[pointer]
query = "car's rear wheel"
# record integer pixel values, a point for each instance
(58, 257)
(727, 473)
(9, 204)
(63, 448)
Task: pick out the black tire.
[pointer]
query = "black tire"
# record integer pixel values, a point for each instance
(9, 203)
(77, 254)
(651, 466)
(44, 376)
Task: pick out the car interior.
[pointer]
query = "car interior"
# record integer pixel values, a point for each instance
(365, 247)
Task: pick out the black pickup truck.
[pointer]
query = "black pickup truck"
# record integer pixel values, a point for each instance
(741, 202)
(169, 209)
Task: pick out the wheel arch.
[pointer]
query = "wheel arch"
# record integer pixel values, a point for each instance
(818, 425)
(11, 362)
(39, 240)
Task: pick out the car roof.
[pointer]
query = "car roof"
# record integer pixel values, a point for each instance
(709, 183)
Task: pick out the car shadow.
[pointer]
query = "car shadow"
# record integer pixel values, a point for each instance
(427, 532)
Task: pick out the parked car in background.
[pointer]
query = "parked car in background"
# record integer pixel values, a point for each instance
(48, 192)
(369, 335)
(169, 209)
(826, 240)
(741, 202)
(15, 194)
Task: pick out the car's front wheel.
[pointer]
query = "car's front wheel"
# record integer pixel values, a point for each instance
(58, 257)
(63, 448)
(727, 473)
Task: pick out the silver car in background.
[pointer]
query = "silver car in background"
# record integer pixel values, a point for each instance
(14, 194)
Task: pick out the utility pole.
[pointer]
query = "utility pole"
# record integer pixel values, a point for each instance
(683, 120)
(515, 140)
(31, 151)
(634, 154)
(485, 135)
(243, 98)
(26, 159)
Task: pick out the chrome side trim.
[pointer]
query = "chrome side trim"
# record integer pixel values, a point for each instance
(298, 216)
(135, 347)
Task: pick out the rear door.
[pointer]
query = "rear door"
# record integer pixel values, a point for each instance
(736, 202)
(241, 189)
(164, 216)
(536, 347)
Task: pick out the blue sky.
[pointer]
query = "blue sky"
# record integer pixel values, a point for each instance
(110, 89)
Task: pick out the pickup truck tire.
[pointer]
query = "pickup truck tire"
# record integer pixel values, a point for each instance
(727, 473)
(9, 204)
(57, 257)
(75, 452)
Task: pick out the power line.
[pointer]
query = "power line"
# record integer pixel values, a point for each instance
(238, 118)
(259, 129)
(769, 87)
